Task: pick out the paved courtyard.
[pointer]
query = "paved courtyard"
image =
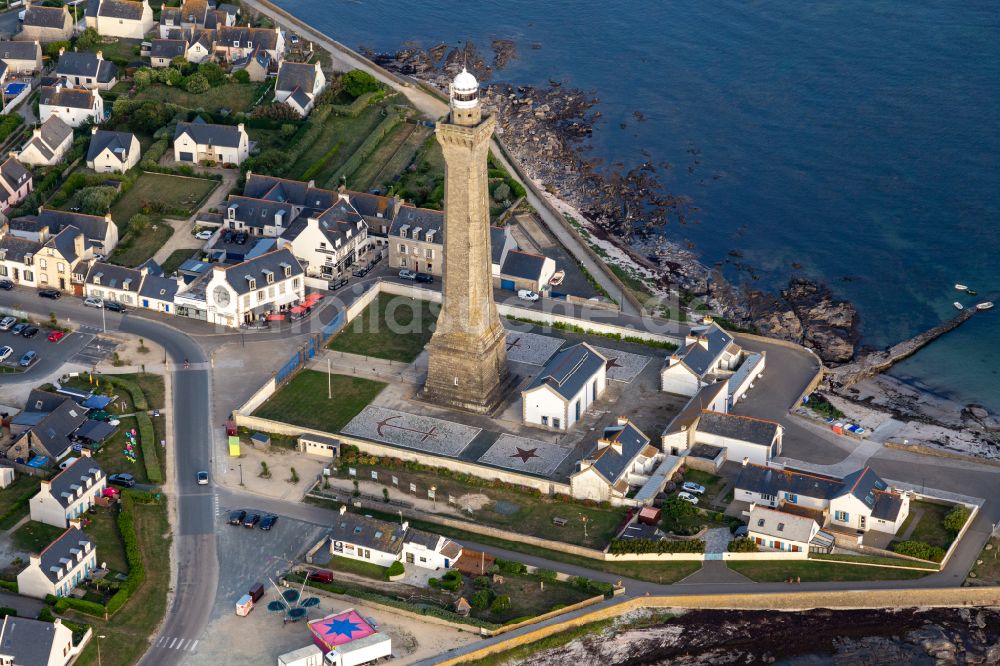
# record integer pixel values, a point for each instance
(526, 455)
(623, 366)
(531, 348)
(423, 433)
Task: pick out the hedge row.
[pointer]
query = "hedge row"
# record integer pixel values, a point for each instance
(638, 546)
(368, 147)
(10, 585)
(154, 153)
(136, 569)
(919, 549)
(147, 436)
(354, 109)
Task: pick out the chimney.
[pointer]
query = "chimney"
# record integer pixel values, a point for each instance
(603, 443)
(703, 342)
(79, 244)
(240, 128)
(623, 420)
(100, 55)
(746, 461)
(93, 130)
(62, 50)
(74, 522)
(311, 184)
(343, 509)
(405, 525)
(37, 132)
(107, 217)
(86, 452)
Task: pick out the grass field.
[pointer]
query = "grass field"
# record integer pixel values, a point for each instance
(357, 567)
(103, 529)
(987, 573)
(173, 192)
(810, 571)
(392, 327)
(303, 401)
(340, 137)
(176, 258)
(122, 49)
(34, 537)
(929, 529)
(135, 248)
(23, 488)
(233, 96)
(424, 186)
(390, 158)
(125, 635)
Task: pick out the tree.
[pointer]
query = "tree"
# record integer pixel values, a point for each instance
(270, 162)
(196, 84)
(171, 76)
(500, 604)
(287, 130)
(138, 222)
(956, 519)
(148, 117)
(241, 76)
(501, 192)
(95, 200)
(481, 599)
(52, 49)
(142, 78)
(357, 83)
(88, 39)
(212, 73)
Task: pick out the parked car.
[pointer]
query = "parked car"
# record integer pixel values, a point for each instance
(321, 576)
(56, 336)
(337, 284)
(693, 487)
(527, 295)
(7, 323)
(50, 293)
(557, 278)
(361, 272)
(426, 278)
(6, 285)
(110, 492)
(203, 478)
(688, 497)
(251, 521)
(741, 531)
(203, 235)
(114, 306)
(236, 517)
(27, 359)
(124, 480)
(407, 275)
(5, 353)
(93, 302)
(241, 239)
(16, 330)
(227, 237)
(30, 332)
(268, 522)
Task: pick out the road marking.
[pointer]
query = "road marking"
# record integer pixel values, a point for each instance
(161, 641)
(172, 643)
(193, 646)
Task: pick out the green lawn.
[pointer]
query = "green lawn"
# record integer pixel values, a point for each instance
(340, 137)
(176, 258)
(162, 194)
(987, 573)
(34, 537)
(424, 186)
(233, 96)
(869, 559)
(135, 248)
(304, 402)
(394, 153)
(357, 567)
(930, 529)
(14, 498)
(392, 327)
(815, 571)
(103, 529)
(713, 484)
(126, 634)
(121, 49)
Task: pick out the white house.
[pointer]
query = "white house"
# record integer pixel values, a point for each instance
(60, 567)
(27, 641)
(110, 282)
(69, 493)
(48, 144)
(21, 57)
(199, 141)
(84, 69)
(429, 551)
(709, 354)
(383, 542)
(623, 459)
(573, 380)
(112, 152)
(163, 51)
(157, 293)
(861, 501)
(743, 437)
(15, 184)
(75, 106)
(679, 434)
(245, 292)
(330, 243)
(777, 530)
(120, 18)
(298, 85)
(101, 231)
(236, 42)
(525, 270)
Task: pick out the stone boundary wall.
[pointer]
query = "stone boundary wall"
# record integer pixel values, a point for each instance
(769, 555)
(817, 378)
(545, 616)
(790, 601)
(974, 511)
(259, 397)
(939, 453)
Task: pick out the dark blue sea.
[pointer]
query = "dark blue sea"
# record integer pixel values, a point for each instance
(860, 139)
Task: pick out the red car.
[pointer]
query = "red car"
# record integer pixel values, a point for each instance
(56, 336)
(110, 492)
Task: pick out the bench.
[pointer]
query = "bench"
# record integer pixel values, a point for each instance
(561, 522)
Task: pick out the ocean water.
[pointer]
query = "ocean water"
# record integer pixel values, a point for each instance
(857, 139)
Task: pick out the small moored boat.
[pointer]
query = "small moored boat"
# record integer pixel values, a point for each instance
(985, 305)
(971, 292)
(961, 287)
(958, 306)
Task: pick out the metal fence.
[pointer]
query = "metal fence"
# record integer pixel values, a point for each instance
(288, 368)
(310, 349)
(332, 328)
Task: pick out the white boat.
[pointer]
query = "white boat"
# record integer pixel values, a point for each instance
(961, 287)
(958, 306)
(986, 305)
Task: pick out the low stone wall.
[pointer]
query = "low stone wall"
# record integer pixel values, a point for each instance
(769, 555)
(258, 398)
(939, 453)
(507, 628)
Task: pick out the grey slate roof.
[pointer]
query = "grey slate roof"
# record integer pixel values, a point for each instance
(46, 17)
(372, 533)
(170, 16)
(63, 485)
(54, 132)
(74, 98)
(258, 268)
(373, 205)
(158, 287)
(114, 277)
(425, 539)
(694, 407)
(743, 428)
(20, 50)
(275, 189)
(94, 227)
(864, 484)
(65, 242)
(208, 134)
(700, 360)
(52, 434)
(43, 401)
(85, 63)
(525, 265)
(168, 48)
(15, 249)
(498, 237)
(119, 143)
(62, 553)
(772, 481)
(265, 38)
(194, 11)
(152, 268)
(121, 9)
(292, 75)
(28, 641)
(259, 213)
(410, 219)
(569, 370)
(14, 174)
(887, 506)
(609, 462)
(780, 525)
(300, 98)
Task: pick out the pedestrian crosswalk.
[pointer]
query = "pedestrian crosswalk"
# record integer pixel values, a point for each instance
(182, 644)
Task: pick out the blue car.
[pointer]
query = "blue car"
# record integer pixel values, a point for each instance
(27, 359)
(268, 522)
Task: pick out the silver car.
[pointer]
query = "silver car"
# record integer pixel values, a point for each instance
(7, 322)
(5, 353)
(93, 302)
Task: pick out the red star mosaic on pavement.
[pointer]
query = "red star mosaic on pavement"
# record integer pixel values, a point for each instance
(525, 454)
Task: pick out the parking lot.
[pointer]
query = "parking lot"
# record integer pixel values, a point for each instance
(49, 354)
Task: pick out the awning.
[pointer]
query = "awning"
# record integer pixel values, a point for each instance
(95, 431)
(275, 316)
(96, 402)
(299, 309)
(312, 299)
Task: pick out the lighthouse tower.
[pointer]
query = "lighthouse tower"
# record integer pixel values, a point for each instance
(467, 355)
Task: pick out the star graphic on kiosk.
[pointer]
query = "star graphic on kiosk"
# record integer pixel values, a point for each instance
(525, 454)
(342, 627)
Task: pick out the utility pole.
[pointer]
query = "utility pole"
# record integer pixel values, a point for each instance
(104, 320)
(329, 380)
(99, 649)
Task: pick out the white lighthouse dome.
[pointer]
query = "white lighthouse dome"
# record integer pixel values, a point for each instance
(465, 82)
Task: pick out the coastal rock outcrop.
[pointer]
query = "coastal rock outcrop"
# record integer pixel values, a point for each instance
(807, 313)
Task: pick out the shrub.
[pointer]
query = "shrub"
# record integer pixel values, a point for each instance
(919, 549)
(547, 575)
(357, 83)
(433, 583)
(956, 519)
(509, 567)
(481, 582)
(45, 614)
(95, 200)
(624, 546)
(395, 569)
(87, 39)
(213, 73)
(481, 599)
(743, 545)
(242, 76)
(501, 192)
(5, 611)
(500, 604)
(196, 84)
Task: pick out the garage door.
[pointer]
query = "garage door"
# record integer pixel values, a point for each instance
(507, 284)
(187, 157)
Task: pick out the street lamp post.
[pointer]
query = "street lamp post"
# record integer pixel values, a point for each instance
(99, 637)
(241, 474)
(104, 320)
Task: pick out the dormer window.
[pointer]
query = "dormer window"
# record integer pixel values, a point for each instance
(97, 278)
(232, 212)
(269, 276)
(236, 43)
(251, 283)
(288, 269)
(126, 284)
